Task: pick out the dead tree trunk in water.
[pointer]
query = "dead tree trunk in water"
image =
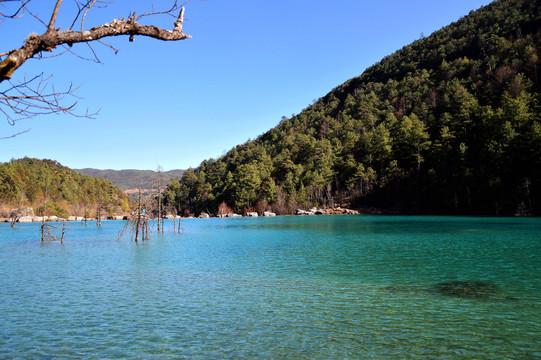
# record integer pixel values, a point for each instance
(63, 231)
(42, 228)
(85, 215)
(98, 214)
(138, 217)
(15, 215)
(160, 205)
(45, 228)
(43, 224)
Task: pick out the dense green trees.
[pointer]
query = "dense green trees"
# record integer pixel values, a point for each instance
(448, 124)
(33, 182)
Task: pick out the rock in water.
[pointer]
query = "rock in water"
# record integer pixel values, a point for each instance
(468, 289)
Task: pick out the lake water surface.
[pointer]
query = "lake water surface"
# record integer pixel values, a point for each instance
(331, 287)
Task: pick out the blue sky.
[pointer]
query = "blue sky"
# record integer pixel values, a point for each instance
(248, 64)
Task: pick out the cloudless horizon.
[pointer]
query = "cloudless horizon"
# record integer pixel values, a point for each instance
(175, 104)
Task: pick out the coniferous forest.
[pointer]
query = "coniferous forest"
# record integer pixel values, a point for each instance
(449, 124)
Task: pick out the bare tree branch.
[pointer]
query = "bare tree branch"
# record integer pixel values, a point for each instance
(17, 134)
(52, 38)
(88, 7)
(29, 98)
(34, 97)
(18, 12)
(55, 15)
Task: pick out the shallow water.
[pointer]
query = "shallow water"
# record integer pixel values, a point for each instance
(286, 287)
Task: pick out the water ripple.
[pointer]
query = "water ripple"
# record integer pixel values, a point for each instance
(332, 287)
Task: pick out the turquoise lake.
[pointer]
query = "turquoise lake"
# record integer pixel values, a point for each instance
(331, 287)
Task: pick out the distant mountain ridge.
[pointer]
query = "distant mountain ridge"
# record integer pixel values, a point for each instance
(130, 178)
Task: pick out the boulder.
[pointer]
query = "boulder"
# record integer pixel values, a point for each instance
(268, 213)
(252, 214)
(204, 216)
(72, 218)
(53, 218)
(233, 215)
(169, 217)
(26, 219)
(37, 219)
(305, 212)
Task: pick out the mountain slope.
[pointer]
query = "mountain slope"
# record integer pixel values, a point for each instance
(132, 179)
(32, 182)
(449, 125)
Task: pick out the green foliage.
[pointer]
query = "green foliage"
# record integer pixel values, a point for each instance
(51, 208)
(131, 179)
(33, 182)
(447, 124)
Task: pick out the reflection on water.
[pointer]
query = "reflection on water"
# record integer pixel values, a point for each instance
(286, 287)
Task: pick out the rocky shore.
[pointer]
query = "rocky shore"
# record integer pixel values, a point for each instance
(312, 211)
(26, 215)
(30, 219)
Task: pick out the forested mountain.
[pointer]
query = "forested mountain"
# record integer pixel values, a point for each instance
(132, 179)
(33, 182)
(449, 125)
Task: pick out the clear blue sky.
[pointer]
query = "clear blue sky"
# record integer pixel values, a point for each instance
(248, 64)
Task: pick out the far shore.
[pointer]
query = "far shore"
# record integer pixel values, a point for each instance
(299, 212)
(32, 219)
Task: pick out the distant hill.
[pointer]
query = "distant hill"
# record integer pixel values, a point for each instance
(132, 179)
(34, 182)
(450, 124)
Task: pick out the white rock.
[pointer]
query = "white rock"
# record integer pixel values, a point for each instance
(268, 213)
(252, 214)
(25, 219)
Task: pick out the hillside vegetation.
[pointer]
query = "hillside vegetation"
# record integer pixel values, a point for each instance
(132, 179)
(33, 182)
(449, 125)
